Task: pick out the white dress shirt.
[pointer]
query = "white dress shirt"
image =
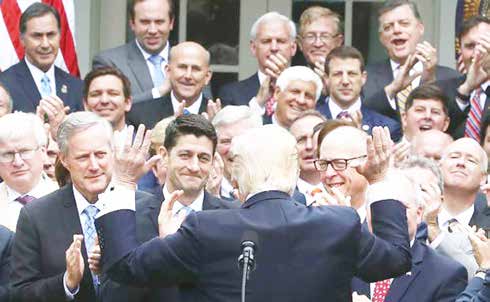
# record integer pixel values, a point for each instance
(335, 109)
(164, 54)
(395, 68)
(194, 108)
(306, 189)
(38, 74)
(443, 220)
(483, 98)
(196, 205)
(226, 188)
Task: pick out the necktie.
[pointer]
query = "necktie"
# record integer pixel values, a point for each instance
(90, 233)
(269, 104)
(381, 289)
(25, 199)
(450, 222)
(344, 115)
(473, 121)
(401, 98)
(187, 210)
(45, 87)
(158, 75)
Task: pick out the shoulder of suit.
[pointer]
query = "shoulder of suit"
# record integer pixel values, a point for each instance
(240, 83)
(118, 50)
(445, 264)
(379, 116)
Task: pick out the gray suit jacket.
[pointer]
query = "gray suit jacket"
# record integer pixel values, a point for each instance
(458, 247)
(129, 59)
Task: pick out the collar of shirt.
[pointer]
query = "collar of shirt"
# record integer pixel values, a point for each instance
(226, 188)
(82, 202)
(194, 108)
(163, 53)
(335, 109)
(261, 76)
(463, 217)
(306, 188)
(38, 74)
(483, 96)
(196, 205)
(362, 212)
(120, 135)
(38, 191)
(418, 67)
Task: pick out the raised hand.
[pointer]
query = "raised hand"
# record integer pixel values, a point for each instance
(74, 263)
(275, 64)
(168, 223)
(52, 110)
(332, 196)
(427, 54)
(401, 151)
(213, 185)
(212, 108)
(94, 258)
(379, 148)
(481, 249)
(403, 78)
(266, 90)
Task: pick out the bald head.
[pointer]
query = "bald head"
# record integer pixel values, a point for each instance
(431, 144)
(188, 71)
(469, 147)
(342, 142)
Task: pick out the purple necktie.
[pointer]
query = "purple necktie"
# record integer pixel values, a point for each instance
(25, 199)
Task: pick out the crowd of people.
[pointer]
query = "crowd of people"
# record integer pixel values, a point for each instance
(359, 181)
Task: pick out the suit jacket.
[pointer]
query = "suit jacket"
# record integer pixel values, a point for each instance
(241, 92)
(24, 93)
(44, 232)
(6, 241)
(151, 112)
(147, 228)
(458, 247)
(208, 244)
(432, 278)
(380, 75)
(481, 215)
(370, 119)
(478, 290)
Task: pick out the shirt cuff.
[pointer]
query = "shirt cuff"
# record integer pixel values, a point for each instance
(155, 93)
(117, 198)
(436, 242)
(462, 105)
(391, 101)
(255, 107)
(69, 294)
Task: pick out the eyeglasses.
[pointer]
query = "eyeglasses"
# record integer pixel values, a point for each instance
(9, 157)
(310, 38)
(338, 164)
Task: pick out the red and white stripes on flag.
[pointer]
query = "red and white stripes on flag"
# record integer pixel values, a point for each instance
(11, 50)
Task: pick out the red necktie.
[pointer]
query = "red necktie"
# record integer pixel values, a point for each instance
(381, 290)
(473, 122)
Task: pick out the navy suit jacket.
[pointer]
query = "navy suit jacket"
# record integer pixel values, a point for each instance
(146, 229)
(478, 290)
(241, 92)
(432, 278)
(380, 75)
(370, 119)
(152, 111)
(24, 93)
(291, 253)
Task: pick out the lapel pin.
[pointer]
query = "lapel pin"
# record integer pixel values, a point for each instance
(365, 127)
(409, 273)
(64, 89)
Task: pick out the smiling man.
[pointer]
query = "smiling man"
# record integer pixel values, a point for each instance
(143, 60)
(411, 62)
(36, 76)
(189, 72)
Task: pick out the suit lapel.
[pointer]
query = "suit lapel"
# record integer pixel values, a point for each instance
(204, 105)
(138, 66)
(209, 203)
(324, 109)
(400, 285)
(24, 76)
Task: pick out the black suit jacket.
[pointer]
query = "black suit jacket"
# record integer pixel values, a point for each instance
(303, 254)
(6, 241)
(24, 93)
(147, 228)
(152, 111)
(45, 230)
(380, 75)
(432, 278)
(241, 92)
(481, 215)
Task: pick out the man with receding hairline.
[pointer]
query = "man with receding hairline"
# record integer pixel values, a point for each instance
(431, 144)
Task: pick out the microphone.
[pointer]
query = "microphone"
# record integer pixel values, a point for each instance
(246, 261)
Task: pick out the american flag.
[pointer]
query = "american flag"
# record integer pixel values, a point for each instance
(11, 50)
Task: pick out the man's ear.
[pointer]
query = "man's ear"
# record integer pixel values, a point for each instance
(163, 152)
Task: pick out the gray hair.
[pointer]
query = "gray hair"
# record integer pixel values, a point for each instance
(272, 16)
(31, 126)
(426, 164)
(257, 167)
(301, 73)
(234, 114)
(9, 98)
(79, 121)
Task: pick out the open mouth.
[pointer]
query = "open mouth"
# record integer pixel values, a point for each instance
(399, 42)
(425, 127)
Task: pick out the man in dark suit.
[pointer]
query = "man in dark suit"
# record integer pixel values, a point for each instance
(49, 259)
(273, 44)
(36, 76)
(345, 76)
(188, 72)
(208, 243)
(143, 60)
(196, 136)
(433, 277)
(6, 240)
(410, 62)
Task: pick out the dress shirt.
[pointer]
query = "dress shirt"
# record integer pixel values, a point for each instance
(253, 104)
(306, 188)
(38, 74)
(395, 68)
(194, 108)
(226, 188)
(335, 109)
(362, 212)
(443, 221)
(164, 54)
(483, 98)
(196, 205)
(10, 213)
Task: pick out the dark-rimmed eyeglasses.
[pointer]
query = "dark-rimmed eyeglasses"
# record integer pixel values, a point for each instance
(338, 164)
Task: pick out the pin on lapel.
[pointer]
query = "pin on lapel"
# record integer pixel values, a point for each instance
(365, 127)
(64, 89)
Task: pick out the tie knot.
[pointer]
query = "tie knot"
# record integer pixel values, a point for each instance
(156, 60)
(344, 115)
(25, 199)
(45, 79)
(91, 211)
(187, 210)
